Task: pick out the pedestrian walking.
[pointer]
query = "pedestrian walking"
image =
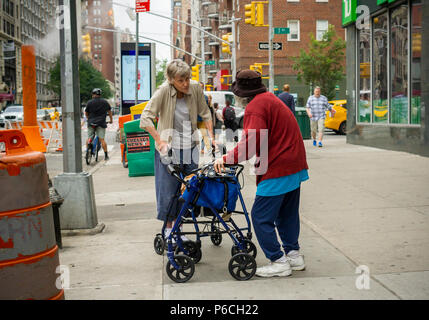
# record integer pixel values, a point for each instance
(317, 105)
(230, 122)
(271, 132)
(177, 103)
(287, 98)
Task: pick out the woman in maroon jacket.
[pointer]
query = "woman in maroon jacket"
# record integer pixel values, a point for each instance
(271, 133)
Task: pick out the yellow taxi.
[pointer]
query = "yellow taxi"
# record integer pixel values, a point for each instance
(54, 114)
(337, 122)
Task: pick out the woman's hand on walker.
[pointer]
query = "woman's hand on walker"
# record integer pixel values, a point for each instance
(218, 165)
(163, 147)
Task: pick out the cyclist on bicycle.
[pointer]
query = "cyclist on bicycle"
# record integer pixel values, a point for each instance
(95, 112)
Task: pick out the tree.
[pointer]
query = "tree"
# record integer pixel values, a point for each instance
(161, 65)
(322, 64)
(89, 78)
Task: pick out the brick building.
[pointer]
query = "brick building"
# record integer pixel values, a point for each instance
(100, 14)
(301, 16)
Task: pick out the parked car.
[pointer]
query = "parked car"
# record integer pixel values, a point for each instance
(338, 122)
(12, 113)
(43, 115)
(221, 97)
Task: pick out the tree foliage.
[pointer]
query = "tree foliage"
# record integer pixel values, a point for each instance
(322, 64)
(160, 67)
(89, 78)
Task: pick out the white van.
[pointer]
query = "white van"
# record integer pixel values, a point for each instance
(221, 97)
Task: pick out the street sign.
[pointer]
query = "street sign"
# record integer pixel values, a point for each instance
(142, 5)
(276, 46)
(209, 63)
(281, 30)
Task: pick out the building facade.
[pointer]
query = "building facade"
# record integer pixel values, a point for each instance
(181, 35)
(10, 53)
(216, 17)
(99, 14)
(388, 85)
(38, 28)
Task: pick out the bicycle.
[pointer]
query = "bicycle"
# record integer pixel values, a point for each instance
(93, 147)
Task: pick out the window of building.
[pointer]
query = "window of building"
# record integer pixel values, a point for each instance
(321, 28)
(416, 54)
(379, 57)
(399, 64)
(364, 75)
(293, 26)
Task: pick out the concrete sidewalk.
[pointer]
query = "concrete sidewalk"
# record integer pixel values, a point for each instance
(362, 209)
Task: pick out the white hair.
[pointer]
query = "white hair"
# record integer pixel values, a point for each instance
(176, 68)
(243, 101)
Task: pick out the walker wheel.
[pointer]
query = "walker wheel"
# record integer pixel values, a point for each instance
(242, 266)
(159, 244)
(217, 237)
(192, 250)
(250, 248)
(186, 269)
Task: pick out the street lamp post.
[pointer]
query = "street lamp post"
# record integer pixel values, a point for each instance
(137, 58)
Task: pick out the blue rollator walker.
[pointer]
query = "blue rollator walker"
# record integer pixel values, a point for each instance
(217, 194)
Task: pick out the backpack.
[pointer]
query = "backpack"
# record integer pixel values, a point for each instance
(229, 114)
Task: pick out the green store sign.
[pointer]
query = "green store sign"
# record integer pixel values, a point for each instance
(349, 9)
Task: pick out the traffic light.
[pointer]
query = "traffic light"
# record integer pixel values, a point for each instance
(260, 15)
(86, 43)
(196, 72)
(226, 47)
(249, 13)
(257, 68)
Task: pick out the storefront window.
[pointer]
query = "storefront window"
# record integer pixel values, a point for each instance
(379, 84)
(416, 45)
(364, 112)
(399, 64)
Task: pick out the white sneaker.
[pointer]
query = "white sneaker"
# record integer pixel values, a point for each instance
(274, 269)
(296, 260)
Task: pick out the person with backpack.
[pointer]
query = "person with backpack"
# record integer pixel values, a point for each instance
(229, 120)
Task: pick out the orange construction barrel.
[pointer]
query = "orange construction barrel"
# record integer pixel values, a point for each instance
(28, 252)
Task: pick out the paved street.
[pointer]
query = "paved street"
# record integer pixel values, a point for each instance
(363, 233)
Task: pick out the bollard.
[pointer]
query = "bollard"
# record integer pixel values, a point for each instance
(28, 251)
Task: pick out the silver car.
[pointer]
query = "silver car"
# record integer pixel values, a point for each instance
(12, 114)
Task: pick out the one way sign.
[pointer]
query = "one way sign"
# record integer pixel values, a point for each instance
(276, 46)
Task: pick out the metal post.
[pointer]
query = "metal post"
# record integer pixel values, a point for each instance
(270, 46)
(203, 60)
(234, 49)
(76, 187)
(70, 91)
(137, 58)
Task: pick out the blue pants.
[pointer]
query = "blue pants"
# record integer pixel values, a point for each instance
(281, 213)
(166, 185)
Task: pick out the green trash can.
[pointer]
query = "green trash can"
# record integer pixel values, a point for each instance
(303, 122)
(140, 150)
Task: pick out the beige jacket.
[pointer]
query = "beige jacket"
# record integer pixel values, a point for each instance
(163, 106)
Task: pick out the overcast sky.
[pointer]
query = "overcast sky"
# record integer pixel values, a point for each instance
(150, 26)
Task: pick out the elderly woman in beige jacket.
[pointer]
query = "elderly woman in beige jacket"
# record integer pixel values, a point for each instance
(177, 103)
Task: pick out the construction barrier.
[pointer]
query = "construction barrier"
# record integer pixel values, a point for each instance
(136, 111)
(29, 259)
